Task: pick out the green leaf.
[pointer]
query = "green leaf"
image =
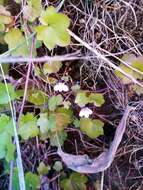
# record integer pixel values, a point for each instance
(136, 63)
(76, 181)
(43, 169)
(138, 89)
(65, 78)
(58, 166)
(38, 44)
(32, 10)
(19, 93)
(75, 88)
(5, 19)
(2, 42)
(97, 99)
(5, 16)
(10, 151)
(126, 70)
(16, 42)
(55, 101)
(6, 125)
(53, 30)
(58, 138)
(43, 123)
(51, 80)
(5, 67)
(52, 67)
(66, 104)
(18, 1)
(76, 123)
(1, 2)
(4, 137)
(2, 27)
(81, 99)
(32, 181)
(57, 20)
(93, 128)
(66, 111)
(15, 180)
(47, 124)
(52, 122)
(28, 126)
(4, 98)
(7, 149)
(37, 97)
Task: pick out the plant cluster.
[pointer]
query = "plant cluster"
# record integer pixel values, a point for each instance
(57, 107)
(57, 102)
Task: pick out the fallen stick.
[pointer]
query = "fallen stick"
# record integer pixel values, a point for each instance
(83, 164)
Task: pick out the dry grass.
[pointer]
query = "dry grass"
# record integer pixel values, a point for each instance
(103, 31)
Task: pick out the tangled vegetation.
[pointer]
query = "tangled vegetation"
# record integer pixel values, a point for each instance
(68, 72)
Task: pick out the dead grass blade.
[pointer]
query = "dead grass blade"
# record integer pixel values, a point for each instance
(103, 58)
(83, 164)
(19, 158)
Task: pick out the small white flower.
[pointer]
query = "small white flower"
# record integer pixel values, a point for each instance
(85, 112)
(61, 87)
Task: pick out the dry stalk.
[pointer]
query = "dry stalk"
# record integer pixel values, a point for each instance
(83, 164)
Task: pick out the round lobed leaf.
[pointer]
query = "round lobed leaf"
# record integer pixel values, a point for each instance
(4, 98)
(28, 126)
(92, 128)
(53, 28)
